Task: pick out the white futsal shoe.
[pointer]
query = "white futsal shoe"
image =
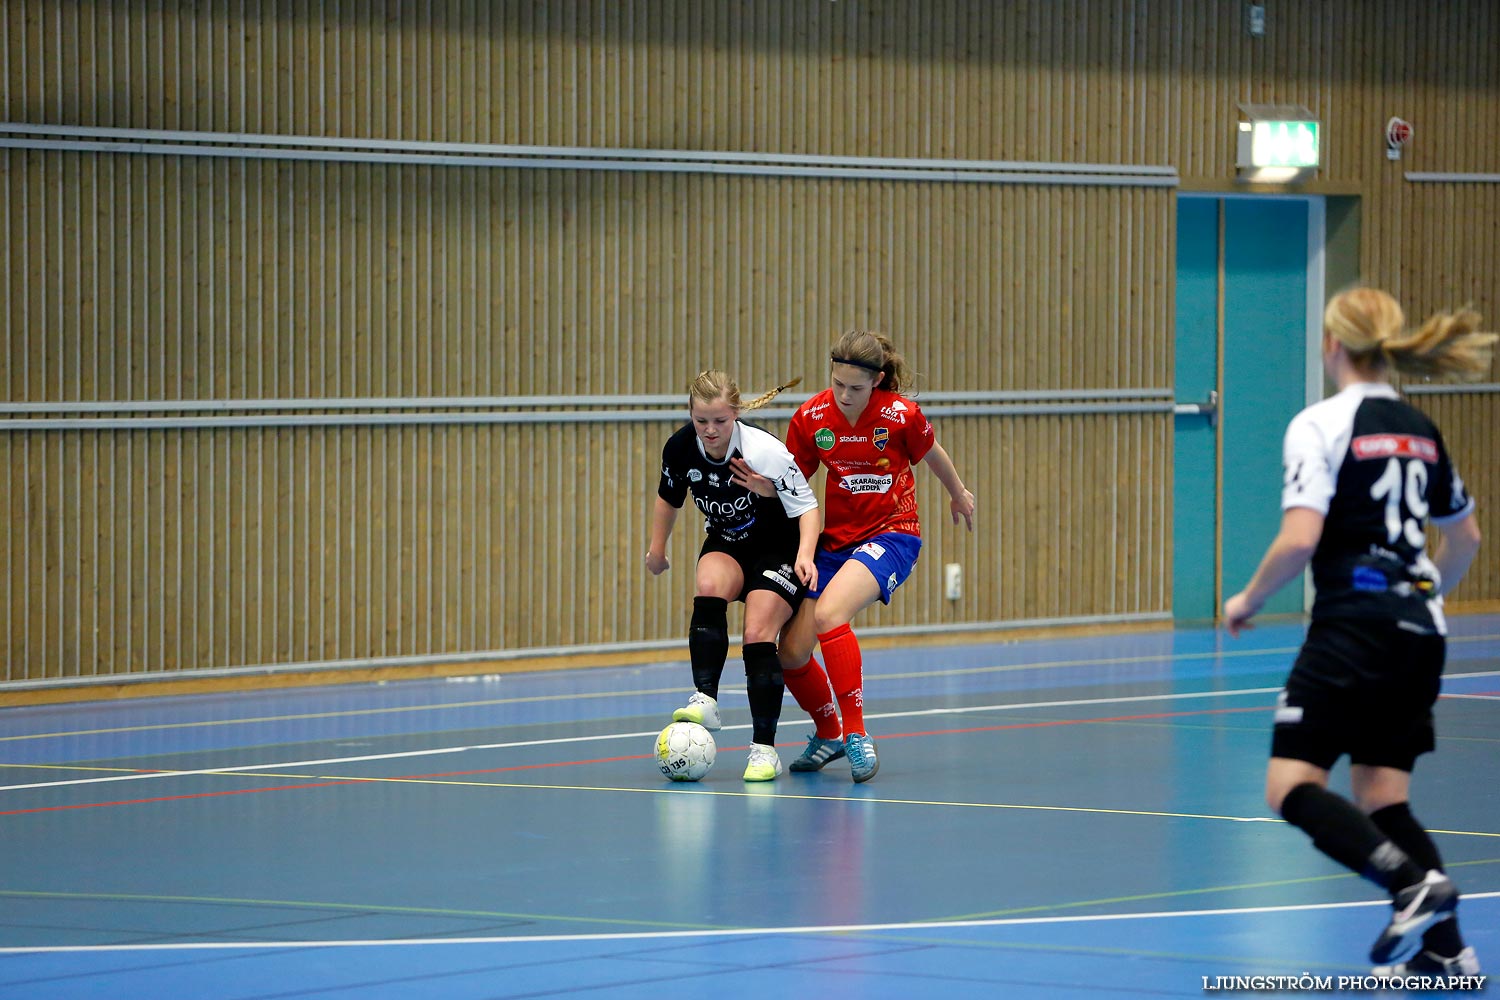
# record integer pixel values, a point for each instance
(700, 709)
(764, 763)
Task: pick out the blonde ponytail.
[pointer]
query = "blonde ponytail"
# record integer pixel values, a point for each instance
(766, 397)
(713, 384)
(1448, 345)
(1371, 326)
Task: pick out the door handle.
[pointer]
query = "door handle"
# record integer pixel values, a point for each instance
(1209, 408)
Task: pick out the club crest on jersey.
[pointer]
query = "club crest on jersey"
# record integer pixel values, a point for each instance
(694, 475)
(824, 438)
(881, 437)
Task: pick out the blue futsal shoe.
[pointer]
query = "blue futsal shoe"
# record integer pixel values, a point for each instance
(863, 763)
(819, 752)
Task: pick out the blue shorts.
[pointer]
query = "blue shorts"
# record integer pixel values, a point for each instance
(889, 557)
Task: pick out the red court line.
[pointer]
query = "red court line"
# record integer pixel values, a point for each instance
(608, 760)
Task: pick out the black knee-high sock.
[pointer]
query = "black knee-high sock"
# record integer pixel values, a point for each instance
(764, 684)
(1397, 823)
(1348, 836)
(708, 642)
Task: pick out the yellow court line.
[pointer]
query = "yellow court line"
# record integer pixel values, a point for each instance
(668, 790)
(486, 702)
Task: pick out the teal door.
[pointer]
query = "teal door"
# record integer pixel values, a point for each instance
(1254, 253)
(1195, 503)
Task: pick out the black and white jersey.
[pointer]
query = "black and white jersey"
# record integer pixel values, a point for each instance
(1376, 468)
(731, 511)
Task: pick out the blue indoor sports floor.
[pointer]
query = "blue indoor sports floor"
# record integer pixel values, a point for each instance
(1052, 818)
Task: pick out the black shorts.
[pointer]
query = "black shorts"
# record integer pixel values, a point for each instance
(1361, 687)
(764, 567)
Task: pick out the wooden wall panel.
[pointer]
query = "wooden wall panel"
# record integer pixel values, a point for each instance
(1468, 421)
(133, 277)
(168, 550)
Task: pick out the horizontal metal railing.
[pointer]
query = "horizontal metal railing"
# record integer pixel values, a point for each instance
(188, 414)
(339, 149)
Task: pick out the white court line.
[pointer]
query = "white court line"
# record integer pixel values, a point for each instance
(870, 676)
(558, 741)
(400, 755)
(925, 925)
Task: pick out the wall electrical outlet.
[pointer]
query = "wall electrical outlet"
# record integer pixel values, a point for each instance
(1255, 20)
(953, 581)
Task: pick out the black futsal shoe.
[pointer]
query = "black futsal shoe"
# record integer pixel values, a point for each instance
(1415, 909)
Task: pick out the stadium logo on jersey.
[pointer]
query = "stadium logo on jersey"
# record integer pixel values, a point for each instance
(824, 439)
(694, 475)
(852, 439)
(866, 484)
(881, 437)
(1394, 445)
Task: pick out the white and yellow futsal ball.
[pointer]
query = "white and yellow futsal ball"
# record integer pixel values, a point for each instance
(685, 751)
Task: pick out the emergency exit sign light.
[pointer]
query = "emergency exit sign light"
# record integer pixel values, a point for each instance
(1277, 143)
(1283, 144)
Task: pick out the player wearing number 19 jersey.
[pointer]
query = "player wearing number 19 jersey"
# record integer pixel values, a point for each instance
(1364, 476)
(1376, 468)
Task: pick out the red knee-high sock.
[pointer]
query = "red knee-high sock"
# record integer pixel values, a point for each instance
(846, 674)
(809, 685)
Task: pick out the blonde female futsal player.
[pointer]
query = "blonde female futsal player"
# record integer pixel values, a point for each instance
(1364, 475)
(758, 550)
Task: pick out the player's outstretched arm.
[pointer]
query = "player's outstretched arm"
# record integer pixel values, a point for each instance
(961, 501)
(1457, 545)
(663, 516)
(809, 527)
(1288, 556)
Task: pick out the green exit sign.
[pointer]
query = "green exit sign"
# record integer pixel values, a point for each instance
(1279, 144)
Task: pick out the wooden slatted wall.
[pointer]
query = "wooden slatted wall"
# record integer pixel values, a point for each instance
(157, 278)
